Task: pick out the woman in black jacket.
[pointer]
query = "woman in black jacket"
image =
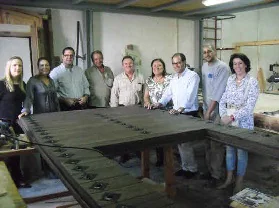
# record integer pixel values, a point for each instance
(12, 95)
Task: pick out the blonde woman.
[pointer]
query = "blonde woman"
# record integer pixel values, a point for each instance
(12, 95)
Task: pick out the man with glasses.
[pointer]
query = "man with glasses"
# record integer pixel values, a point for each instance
(71, 83)
(183, 90)
(215, 74)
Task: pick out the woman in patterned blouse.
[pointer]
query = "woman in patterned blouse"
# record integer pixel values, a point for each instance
(236, 108)
(156, 84)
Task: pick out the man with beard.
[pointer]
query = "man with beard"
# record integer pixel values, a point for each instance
(215, 74)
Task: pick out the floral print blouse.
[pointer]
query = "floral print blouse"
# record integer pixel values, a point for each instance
(155, 89)
(244, 102)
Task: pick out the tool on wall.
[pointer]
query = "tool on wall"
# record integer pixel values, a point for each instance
(274, 78)
(83, 57)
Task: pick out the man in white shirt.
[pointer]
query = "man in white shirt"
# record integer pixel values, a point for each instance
(183, 90)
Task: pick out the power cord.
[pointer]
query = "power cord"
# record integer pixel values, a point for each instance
(13, 138)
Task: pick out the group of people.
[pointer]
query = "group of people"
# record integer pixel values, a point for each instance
(229, 99)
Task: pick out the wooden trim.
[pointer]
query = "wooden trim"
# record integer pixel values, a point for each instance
(9, 153)
(258, 43)
(12, 15)
(34, 49)
(15, 34)
(266, 122)
(33, 41)
(254, 43)
(169, 176)
(46, 197)
(145, 163)
(49, 38)
(21, 11)
(11, 198)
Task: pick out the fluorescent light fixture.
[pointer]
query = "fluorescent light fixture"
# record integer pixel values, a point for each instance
(215, 2)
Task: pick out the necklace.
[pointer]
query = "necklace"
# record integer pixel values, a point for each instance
(158, 79)
(238, 81)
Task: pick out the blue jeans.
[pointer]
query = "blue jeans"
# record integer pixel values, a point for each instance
(242, 160)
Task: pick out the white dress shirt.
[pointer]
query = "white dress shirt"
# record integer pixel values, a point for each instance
(183, 91)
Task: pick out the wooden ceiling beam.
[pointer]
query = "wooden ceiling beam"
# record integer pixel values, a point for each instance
(125, 3)
(171, 4)
(63, 4)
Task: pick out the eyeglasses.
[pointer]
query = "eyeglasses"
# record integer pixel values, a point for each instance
(177, 63)
(68, 55)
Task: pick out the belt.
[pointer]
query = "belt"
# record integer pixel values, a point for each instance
(191, 113)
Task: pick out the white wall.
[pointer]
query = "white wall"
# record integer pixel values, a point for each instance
(12, 46)
(64, 25)
(257, 25)
(154, 37)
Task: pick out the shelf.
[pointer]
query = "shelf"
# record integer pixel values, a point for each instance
(211, 28)
(211, 39)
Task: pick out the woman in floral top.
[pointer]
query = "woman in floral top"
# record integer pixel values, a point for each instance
(156, 85)
(236, 108)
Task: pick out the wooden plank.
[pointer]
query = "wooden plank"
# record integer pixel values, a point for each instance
(107, 184)
(266, 121)
(46, 197)
(125, 193)
(261, 80)
(9, 196)
(258, 43)
(154, 200)
(151, 3)
(108, 136)
(12, 152)
(145, 163)
(169, 170)
(250, 141)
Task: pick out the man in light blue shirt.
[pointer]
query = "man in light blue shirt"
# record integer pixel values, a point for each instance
(71, 83)
(183, 90)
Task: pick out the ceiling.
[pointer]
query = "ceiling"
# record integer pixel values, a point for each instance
(185, 9)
